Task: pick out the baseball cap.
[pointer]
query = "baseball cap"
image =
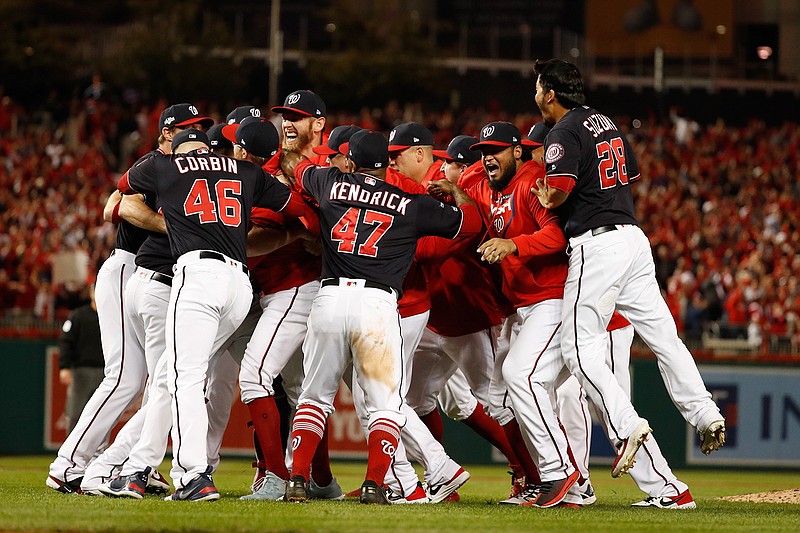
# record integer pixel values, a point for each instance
(304, 102)
(367, 149)
(459, 150)
(216, 138)
(182, 115)
(191, 135)
(339, 135)
(408, 135)
(501, 134)
(538, 133)
(258, 136)
(235, 117)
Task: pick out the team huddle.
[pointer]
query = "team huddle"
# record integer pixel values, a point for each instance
(500, 279)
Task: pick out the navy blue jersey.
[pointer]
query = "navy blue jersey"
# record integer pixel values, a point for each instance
(206, 198)
(130, 237)
(156, 254)
(586, 152)
(370, 228)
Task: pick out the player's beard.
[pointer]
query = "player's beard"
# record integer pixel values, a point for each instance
(498, 184)
(302, 140)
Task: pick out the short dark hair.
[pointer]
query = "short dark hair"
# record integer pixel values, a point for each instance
(563, 78)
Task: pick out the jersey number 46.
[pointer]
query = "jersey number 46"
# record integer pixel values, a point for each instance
(344, 231)
(227, 208)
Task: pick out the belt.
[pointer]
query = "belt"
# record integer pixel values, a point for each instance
(602, 229)
(368, 284)
(219, 257)
(162, 278)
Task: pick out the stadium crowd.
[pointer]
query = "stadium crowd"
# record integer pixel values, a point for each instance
(717, 202)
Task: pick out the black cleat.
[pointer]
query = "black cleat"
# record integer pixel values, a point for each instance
(372, 493)
(132, 486)
(296, 490)
(200, 489)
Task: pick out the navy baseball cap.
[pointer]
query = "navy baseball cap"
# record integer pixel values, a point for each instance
(182, 115)
(501, 134)
(235, 117)
(538, 133)
(304, 102)
(367, 149)
(216, 138)
(459, 150)
(339, 135)
(408, 135)
(258, 136)
(190, 135)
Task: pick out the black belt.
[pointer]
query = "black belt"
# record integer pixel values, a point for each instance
(602, 229)
(368, 284)
(162, 278)
(219, 257)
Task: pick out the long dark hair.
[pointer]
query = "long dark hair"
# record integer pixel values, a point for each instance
(564, 79)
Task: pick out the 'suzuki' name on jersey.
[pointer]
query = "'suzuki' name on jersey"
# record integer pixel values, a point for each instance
(211, 163)
(598, 123)
(352, 192)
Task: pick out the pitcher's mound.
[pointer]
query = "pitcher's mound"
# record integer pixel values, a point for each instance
(775, 496)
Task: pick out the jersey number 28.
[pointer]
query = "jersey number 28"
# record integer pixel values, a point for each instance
(612, 163)
(344, 231)
(227, 209)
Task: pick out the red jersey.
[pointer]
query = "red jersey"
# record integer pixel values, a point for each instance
(473, 175)
(415, 298)
(538, 270)
(434, 173)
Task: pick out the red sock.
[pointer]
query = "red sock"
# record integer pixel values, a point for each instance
(307, 430)
(489, 429)
(321, 463)
(267, 423)
(382, 443)
(521, 451)
(433, 421)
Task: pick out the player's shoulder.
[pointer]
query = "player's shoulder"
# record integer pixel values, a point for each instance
(403, 182)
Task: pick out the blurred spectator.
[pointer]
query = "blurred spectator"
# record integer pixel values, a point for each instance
(80, 358)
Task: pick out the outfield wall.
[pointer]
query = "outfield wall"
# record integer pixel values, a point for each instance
(760, 401)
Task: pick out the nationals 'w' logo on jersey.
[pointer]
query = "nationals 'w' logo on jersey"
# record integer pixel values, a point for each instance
(502, 212)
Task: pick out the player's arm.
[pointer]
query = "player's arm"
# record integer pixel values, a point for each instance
(263, 240)
(111, 210)
(441, 188)
(134, 210)
(561, 163)
(549, 196)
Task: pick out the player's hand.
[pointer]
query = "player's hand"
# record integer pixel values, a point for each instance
(289, 160)
(65, 376)
(495, 250)
(441, 188)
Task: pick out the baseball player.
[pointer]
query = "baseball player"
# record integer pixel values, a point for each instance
(589, 166)
(206, 200)
(411, 152)
(369, 230)
(528, 242)
(125, 367)
(303, 123)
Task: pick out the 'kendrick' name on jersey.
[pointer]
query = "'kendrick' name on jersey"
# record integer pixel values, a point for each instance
(352, 192)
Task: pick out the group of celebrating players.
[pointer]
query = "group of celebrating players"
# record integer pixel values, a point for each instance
(500, 279)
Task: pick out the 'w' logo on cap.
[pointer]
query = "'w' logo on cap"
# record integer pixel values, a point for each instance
(293, 99)
(487, 131)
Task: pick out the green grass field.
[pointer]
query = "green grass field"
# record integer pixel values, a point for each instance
(26, 504)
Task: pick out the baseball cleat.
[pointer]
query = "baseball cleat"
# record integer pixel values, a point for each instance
(437, 492)
(713, 438)
(517, 483)
(417, 496)
(268, 487)
(528, 495)
(132, 486)
(200, 489)
(296, 490)
(156, 483)
(453, 497)
(551, 493)
(683, 500)
(626, 454)
(65, 487)
(332, 491)
(372, 493)
(353, 493)
(587, 493)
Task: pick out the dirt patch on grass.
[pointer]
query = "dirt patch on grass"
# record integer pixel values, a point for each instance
(774, 496)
